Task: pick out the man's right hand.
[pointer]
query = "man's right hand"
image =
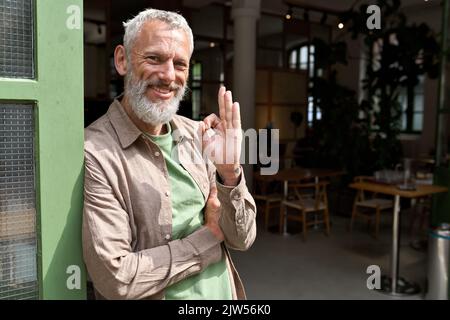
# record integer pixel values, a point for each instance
(212, 214)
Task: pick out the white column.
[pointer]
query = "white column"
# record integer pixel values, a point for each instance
(245, 14)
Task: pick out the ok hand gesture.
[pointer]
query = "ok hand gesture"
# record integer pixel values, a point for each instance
(222, 138)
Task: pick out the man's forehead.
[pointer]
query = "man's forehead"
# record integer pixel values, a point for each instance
(159, 30)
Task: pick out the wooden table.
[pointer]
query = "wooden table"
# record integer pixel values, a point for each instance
(421, 191)
(296, 174)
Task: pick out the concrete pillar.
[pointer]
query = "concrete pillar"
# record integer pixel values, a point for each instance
(245, 14)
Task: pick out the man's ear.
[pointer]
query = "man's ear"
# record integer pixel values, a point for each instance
(120, 60)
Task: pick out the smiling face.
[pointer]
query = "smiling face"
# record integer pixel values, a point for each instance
(157, 71)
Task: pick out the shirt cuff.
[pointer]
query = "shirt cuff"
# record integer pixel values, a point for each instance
(231, 192)
(206, 245)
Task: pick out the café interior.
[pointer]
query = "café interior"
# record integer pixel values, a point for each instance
(358, 104)
(349, 102)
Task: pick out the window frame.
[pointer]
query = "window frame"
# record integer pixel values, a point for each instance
(409, 111)
(313, 112)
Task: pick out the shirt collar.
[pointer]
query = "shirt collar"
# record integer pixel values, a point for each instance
(127, 131)
(179, 128)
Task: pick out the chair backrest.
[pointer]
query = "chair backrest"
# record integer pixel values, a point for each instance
(362, 195)
(263, 186)
(311, 189)
(362, 178)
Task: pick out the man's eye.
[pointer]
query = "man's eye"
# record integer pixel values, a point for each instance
(181, 65)
(153, 58)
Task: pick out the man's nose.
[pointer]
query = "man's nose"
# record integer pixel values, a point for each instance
(167, 72)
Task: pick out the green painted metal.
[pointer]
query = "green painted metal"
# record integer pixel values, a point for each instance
(58, 94)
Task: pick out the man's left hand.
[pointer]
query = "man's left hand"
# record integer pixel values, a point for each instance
(222, 138)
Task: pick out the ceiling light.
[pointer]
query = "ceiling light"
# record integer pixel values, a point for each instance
(289, 13)
(341, 25)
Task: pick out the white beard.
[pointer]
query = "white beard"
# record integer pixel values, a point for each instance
(153, 113)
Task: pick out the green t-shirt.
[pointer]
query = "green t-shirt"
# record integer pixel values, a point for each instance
(187, 216)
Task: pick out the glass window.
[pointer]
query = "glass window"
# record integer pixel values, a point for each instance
(413, 123)
(197, 72)
(417, 122)
(18, 274)
(304, 58)
(298, 59)
(418, 102)
(196, 85)
(16, 39)
(293, 59)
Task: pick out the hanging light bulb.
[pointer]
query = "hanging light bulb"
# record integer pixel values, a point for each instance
(289, 13)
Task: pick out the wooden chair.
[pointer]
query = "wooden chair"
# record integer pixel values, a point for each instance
(266, 199)
(307, 203)
(369, 207)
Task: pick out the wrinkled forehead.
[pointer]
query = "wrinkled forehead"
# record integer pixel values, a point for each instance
(162, 35)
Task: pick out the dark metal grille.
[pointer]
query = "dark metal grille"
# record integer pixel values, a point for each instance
(16, 39)
(18, 266)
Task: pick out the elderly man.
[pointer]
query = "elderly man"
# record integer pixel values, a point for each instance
(156, 224)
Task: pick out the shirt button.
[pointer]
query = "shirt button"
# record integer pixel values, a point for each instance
(157, 154)
(167, 193)
(167, 236)
(239, 221)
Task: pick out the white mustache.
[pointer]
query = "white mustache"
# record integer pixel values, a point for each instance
(143, 85)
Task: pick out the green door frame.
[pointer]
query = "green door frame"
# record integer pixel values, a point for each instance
(58, 95)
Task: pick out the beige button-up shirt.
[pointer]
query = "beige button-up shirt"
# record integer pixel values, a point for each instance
(127, 218)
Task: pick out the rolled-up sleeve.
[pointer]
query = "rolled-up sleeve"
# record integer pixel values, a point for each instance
(116, 271)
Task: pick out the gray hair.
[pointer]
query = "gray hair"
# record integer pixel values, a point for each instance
(173, 19)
